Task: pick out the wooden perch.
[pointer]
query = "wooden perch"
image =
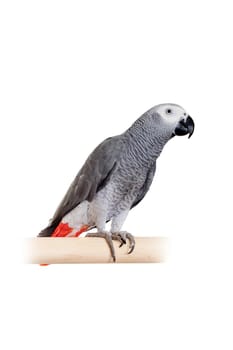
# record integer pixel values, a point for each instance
(92, 250)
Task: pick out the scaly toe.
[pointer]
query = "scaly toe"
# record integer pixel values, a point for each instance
(122, 236)
(131, 242)
(118, 237)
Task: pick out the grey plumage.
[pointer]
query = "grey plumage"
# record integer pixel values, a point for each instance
(93, 176)
(118, 173)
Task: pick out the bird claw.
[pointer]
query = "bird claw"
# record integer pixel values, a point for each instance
(120, 236)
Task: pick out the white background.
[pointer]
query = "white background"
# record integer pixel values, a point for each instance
(72, 74)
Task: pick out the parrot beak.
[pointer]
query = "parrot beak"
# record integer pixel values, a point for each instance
(185, 127)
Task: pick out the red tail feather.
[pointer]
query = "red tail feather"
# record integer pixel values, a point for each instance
(62, 230)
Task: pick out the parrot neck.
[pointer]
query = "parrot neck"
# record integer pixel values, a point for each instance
(145, 144)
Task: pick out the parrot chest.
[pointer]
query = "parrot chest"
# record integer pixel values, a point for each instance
(119, 194)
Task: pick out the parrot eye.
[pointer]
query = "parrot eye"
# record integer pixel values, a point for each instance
(168, 111)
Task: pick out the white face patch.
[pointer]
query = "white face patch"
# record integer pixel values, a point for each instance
(171, 113)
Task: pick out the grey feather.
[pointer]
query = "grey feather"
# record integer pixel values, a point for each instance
(145, 188)
(118, 173)
(93, 176)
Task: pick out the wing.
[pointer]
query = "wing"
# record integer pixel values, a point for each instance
(93, 176)
(146, 186)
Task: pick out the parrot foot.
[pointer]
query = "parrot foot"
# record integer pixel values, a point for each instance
(122, 236)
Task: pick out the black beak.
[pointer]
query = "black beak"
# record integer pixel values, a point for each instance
(185, 127)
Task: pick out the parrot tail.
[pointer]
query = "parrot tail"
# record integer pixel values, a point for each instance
(47, 232)
(62, 230)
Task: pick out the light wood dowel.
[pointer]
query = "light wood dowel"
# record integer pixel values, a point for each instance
(92, 250)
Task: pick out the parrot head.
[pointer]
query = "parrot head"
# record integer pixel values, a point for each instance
(174, 118)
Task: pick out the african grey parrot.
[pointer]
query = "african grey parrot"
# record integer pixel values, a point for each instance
(116, 176)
